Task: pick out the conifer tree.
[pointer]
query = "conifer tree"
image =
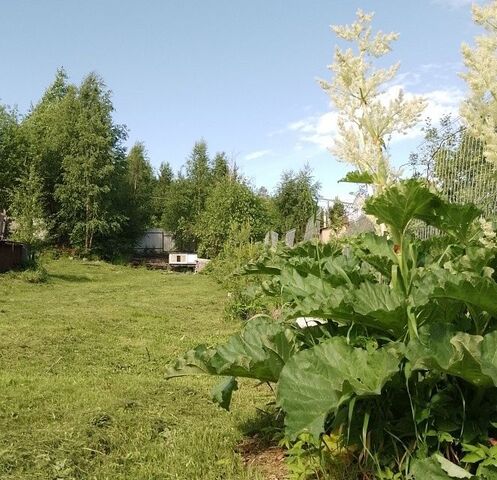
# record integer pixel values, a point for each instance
(296, 200)
(220, 167)
(138, 204)
(140, 173)
(199, 176)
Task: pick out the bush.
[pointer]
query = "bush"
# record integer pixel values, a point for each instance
(400, 364)
(230, 206)
(34, 275)
(226, 268)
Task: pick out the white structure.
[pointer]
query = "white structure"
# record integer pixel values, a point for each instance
(179, 259)
(155, 241)
(304, 322)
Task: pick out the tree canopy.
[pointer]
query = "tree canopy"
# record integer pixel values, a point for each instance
(67, 178)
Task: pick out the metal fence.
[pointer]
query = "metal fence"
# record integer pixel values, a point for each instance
(456, 164)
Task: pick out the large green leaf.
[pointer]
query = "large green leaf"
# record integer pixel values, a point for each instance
(342, 270)
(487, 472)
(381, 307)
(378, 251)
(480, 292)
(259, 351)
(333, 305)
(470, 357)
(358, 177)
(194, 362)
(454, 219)
(471, 289)
(222, 392)
(401, 203)
(315, 382)
(437, 468)
(295, 285)
(310, 295)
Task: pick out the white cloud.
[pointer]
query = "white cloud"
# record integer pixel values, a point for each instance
(301, 126)
(257, 154)
(317, 129)
(454, 3)
(444, 66)
(443, 102)
(439, 103)
(320, 130)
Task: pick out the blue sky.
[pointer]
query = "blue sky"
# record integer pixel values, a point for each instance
(241, 74)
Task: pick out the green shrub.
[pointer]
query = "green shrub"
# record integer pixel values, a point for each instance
(36, 274)
(403, 368)
(243, 302)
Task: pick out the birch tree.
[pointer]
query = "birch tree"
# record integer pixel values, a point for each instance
(480, 108)
(88, 168)
(27, 209)
(367, 117)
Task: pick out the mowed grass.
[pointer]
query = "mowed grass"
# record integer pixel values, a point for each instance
(82, 388)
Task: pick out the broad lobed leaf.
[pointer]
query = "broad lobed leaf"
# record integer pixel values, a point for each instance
(401, 203)
(471, 357)
(259, 351)
(315, 382)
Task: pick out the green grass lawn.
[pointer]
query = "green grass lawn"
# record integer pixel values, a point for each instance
(82, 392)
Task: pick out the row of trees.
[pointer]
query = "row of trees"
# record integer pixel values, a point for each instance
(64, 170)
(67, 179)
(203, 205)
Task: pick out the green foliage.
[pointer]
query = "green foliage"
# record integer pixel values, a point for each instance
(91, 196)
(85, 188)
(402, 203)
(337, 217)
(319, 380)
(402, 365)
(296, 200)
(34, 274)
(230, 205)
(356, 176)
(259, 351)
(97, 198)
(27, 210)
(11, 154)
(186, 205)
(310, 457)
(138, 201)
(70, 142)
(243, 302)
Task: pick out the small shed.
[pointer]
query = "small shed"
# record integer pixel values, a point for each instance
(155, 241)
(187, 260)
(12, 255)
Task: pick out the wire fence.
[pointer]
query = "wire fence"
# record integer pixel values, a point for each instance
(454, 161)
(458, 167)
(456, 164)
